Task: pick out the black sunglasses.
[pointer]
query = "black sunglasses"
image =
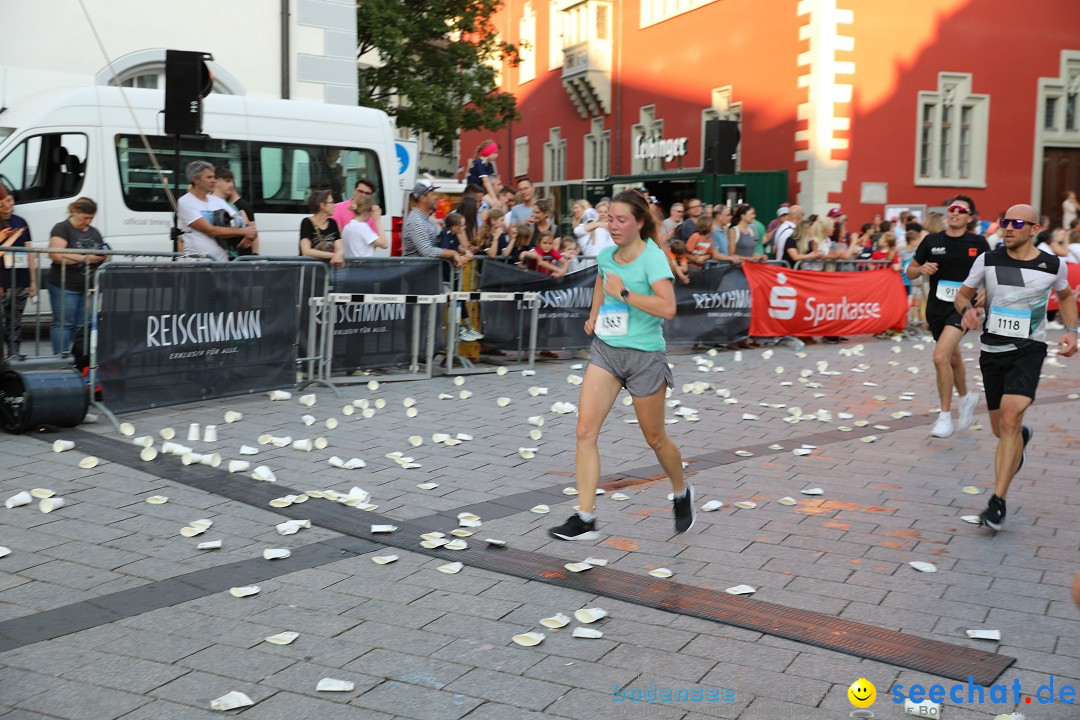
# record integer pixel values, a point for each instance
(1016, 223)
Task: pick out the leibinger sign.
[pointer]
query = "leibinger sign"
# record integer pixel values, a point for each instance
(647, 148)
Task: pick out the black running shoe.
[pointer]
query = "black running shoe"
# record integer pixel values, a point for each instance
(1026, 433)
(575, 529)
(684, 510)
(994, 514)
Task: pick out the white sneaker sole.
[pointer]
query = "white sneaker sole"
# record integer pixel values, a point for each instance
(583, 536)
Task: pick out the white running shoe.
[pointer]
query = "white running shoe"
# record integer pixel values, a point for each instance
(943, 428)
(968, 403)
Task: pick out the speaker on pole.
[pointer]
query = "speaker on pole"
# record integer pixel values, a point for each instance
(721, 146)
(187, 81)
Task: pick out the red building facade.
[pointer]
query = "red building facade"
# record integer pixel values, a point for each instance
(865, 105)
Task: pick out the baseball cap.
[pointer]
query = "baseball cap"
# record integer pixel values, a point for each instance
(783, 210)
(420, 189)
(835, 213)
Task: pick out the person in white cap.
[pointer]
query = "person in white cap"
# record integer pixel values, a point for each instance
(419, 234)
(790, 218)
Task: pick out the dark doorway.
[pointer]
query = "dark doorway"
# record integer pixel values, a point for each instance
(1061, 173)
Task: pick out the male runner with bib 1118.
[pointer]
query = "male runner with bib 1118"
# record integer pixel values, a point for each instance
(1017, 278)
(946, 257)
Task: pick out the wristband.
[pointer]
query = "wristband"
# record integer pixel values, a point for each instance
(1073, 330)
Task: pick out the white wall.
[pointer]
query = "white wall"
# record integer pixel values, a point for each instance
(49, 43)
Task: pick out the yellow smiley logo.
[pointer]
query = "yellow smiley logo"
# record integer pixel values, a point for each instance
(862, 693)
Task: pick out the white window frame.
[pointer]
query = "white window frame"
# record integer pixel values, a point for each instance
(1059, 88)
(521, 156)
(722, 109)
(597, 155)
(555, 34)
(657, 11)
(555, 156)
(527, 44)
(648, 125)
(940, 134)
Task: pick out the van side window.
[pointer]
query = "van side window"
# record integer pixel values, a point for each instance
(45, 167)
(139, 180)
(287, 173)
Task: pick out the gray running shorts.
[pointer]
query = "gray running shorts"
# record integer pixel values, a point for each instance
(641, 372)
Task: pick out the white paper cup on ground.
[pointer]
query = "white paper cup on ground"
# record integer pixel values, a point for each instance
(306, 445)
(19, 499)
(88, 462)
(213, 460)
(320, 443)
(191, 458)
(231, 701)
(143, 441)
(167, 433)
(283, 638)
(263, 474)
(209, 545)
(49, 504)
(279, 395)
(209, 434)
(528, 639)
(41, 493)
(281, 441)
(248, 450)
(239, 466)
(587, 633)
(307, 400)
(232, 416)
(332, 423)
(62, 445)
(245, 591)
(537, 420)
(276, 553)
(590, 615)
(193, 432)
(555, 621)
(127, 429)
(334, 685)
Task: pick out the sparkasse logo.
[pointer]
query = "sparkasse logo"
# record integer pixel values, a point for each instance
(782, 299)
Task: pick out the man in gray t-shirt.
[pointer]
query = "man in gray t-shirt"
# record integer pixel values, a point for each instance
(521, 212)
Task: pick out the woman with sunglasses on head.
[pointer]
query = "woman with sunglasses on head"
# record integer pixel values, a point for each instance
(633, 296)
(946, 258)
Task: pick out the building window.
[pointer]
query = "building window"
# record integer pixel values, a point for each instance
(521, 156)
(952, 132)
(554, 157)
(647, 128)
(597, 151)
(555, 34)
(527, 43)
(657, 11)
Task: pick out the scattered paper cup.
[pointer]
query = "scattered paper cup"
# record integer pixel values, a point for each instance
(88, 462)
(528, 639)
(213, 460)
(209, 545)
(333, 685)
(193, 432)
(248, 450)
(167, 433)
(590, 615)
(451, 568)
(661, 573)
(232, 416)
(143, 441)
(191, 458)
(280, 395)
(537, 420)
(62, 445)
(283, 638)
(320, 443)
(306, 445)
(307, 400)
(384, 559)
(587, 633)
(264, 474)
(19, 499)
(276, 553)
(49, 504)
(209, 434)
(741, 590)
(127, 429)
(41, 493)
(157, 499)
(239, 466)
(245, 591)
(555, 621)
(332, 423)
(231, 701)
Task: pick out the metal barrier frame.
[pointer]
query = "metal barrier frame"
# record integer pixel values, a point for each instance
(848, 265)
(328, 301)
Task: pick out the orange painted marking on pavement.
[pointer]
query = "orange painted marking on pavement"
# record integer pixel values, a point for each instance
(625, 544)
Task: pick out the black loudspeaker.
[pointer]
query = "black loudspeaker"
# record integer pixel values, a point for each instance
(41, 391)
(721, 146)
(187, 82)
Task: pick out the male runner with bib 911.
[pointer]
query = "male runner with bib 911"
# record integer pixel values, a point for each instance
(946, 257)
(1017, 278)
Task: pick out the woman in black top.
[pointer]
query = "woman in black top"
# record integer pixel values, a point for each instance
(319, 234)
(18, 275)
(71, 273)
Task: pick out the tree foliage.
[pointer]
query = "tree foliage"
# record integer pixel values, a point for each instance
(438, 66)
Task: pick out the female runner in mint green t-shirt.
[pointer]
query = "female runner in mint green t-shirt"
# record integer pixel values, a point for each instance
(632, 297)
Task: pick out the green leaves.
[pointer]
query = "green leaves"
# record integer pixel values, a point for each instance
(437, 65)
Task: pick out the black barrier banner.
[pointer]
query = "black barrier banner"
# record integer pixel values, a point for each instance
(170, 334)
(564, 307)
(714, 309)
(372, 335)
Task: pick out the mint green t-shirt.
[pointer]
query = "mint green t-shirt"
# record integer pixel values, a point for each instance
(620, 324)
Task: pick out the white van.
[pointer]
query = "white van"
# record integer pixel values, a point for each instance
(60, 145)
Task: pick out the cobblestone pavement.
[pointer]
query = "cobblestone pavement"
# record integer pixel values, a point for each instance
(95, 574)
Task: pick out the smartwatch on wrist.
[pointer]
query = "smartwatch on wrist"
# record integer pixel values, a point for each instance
(625, 294)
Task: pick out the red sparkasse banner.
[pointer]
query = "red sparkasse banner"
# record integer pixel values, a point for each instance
(809, 302)
(1074, 283)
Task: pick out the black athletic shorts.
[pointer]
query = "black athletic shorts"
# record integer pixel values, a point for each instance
(1015, 372)
(938, 321)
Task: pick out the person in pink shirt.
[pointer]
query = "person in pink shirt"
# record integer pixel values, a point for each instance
(343, 212)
